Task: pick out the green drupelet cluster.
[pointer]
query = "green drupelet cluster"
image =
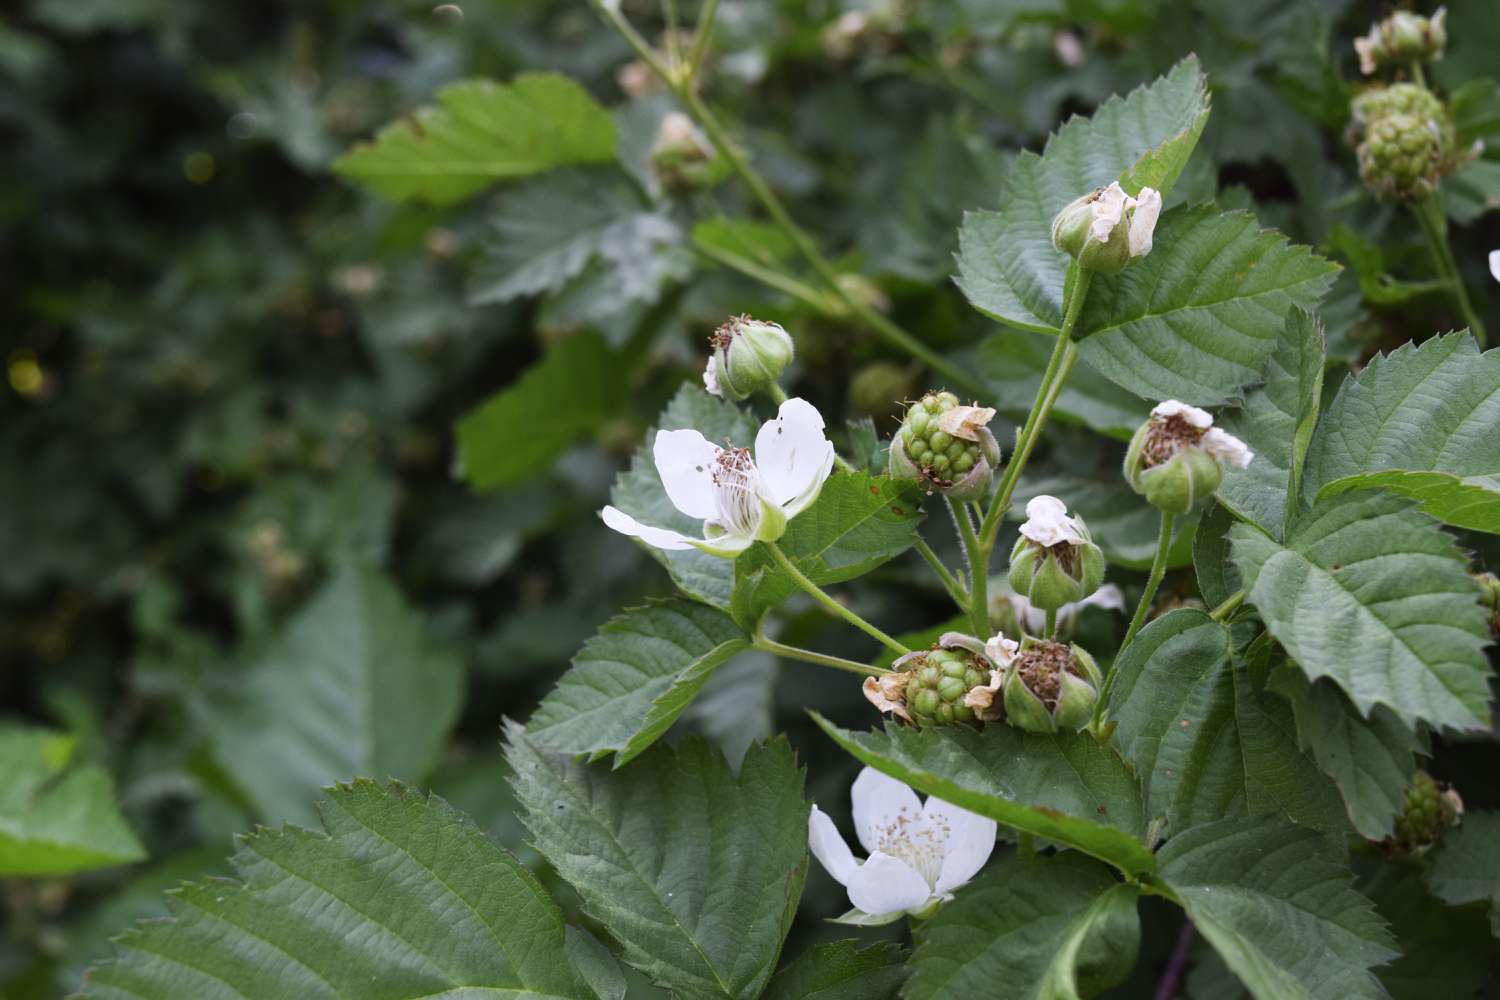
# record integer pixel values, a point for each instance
(941, 456)
(937, 684)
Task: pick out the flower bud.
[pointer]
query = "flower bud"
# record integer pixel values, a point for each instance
(1106, 229)
(748, 355)
(681, 157)
(928, 687)
(1402, 38)
(1405, 141)
(1055, 561)
(1428, 810)
(1050, 687)
(1489, 598)
(1176, 458)
(947, 447)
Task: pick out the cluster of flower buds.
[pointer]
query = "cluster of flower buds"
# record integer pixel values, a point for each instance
(1405, 140)
(1055, 561)
(1176, 458)
(930, 686)
(681, 157)
(1403, 38)
(1106, 229)
(1429, 810)
(747, 356)
(946, 446)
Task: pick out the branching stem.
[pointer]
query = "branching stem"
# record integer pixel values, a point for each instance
(767, 644)
(818, 594)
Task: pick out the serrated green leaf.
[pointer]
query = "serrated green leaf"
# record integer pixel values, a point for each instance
(1445, 952)
(1064, 787)
(402, 898)
(841, 970)
(1007, 266)
(632, 680)
(481, 132)
(1197, 318)
(56, 819)
(695, 871)
(1371, 760)
(353, 686)
(1279, 910)
(1012, 363)
(1420, 422)
(545, 231)
(1467, 866)
(639, 492)
(1373, 594)
(516, 434)
(858, 522)
(1277, 421)
(1123, 524)
(1058, 928)
(1218, 579)
(1205, 742)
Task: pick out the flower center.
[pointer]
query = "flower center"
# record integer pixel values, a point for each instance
(736, 497)
(1166, 437)
(916, 839)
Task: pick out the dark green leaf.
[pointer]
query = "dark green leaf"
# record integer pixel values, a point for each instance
(1467, 866)
(1218, 580)
(841, 970)
(1445, 953)
(1012, 362)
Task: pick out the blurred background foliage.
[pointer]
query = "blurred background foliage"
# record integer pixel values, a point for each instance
(237, 564)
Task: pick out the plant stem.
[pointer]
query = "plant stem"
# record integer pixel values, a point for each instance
(681, 85)
(1051, 626)
(832, 605)
(700, 39)
(1418, 77)
(773, 278)
(1171, 979)
(1434, 223)
(950, 583)
(1230, 606)
(769, 645)
(1158, 570)
(979, 568)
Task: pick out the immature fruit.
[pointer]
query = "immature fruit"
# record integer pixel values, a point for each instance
(946, 446)
(748, 356)
(937, 681)
(1176, 457)
(1405, 139)
(1050, 687)
(1055, 561)
(1428, 811)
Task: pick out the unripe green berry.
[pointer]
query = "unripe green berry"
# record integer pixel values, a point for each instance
(1405, 141)
(1427, 811)
(946, 447)
(937, 681)
(875, 388)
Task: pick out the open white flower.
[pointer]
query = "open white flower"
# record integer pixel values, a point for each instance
(1047, 523)
(919, 854)
(742, 500)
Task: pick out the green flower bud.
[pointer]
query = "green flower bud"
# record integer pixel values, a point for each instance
(1050, 687)
(748, 356)
(1106, 229)
(929, 686)
(1176, 458)
(1402, 38)
(1426, 813)
(947, 447)
(1055, 561)
(1405, 141)
(681, 157)
(1489, 597)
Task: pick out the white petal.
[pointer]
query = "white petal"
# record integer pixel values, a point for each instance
(661, 538)
(1143, 221)
(793, 456)
(879, 805)
(1226, 448)
(1108, 597)
(1048, 523)
(685, 461)
(970, 840)
(711, 377)
(1001, 650)
(1109, 208)
(886, 885)
(1495, 264)
(1200, 419)
(829, 847)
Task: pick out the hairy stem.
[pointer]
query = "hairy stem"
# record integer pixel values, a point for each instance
(1434, 223)
(1051, 626)
(979, 568)
(1230, 606)
(769, 645)
(1158, 570)
(817, 593)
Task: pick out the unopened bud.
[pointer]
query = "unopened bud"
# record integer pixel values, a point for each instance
(1050, 687)
(1176, 458)
(947, 447)
(1402, 38)
(680, 156)
(1106, 229)
(1055, 561)
(748, 356)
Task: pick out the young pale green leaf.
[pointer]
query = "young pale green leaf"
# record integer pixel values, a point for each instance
(1123, 524)
(1063, 787)
(56, 819)
(1445, 951)
(1467, 866)
(1058, 928)
(858, 522)
(1371, 760)
(1197, 318)
(401, 898)
(1373, 594)
(352, 686)
(841, 970)
(639, 492)
(1206, 743)
(515, 434)
(1007, 265)
(695, 871)
(481, 132)
(1012, 362)
(546, 231)
(633, 679)
(1277, 421)
(1421, 422)
(1279, 910)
